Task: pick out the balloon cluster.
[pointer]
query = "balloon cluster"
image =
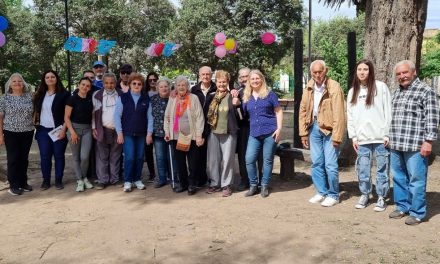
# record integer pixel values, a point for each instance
(167, 49)
(3, 25)
(89, 45)
(224, 45)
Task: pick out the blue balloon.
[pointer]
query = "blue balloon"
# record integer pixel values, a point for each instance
(3, 23)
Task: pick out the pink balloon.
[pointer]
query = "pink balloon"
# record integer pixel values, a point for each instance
(268, 38)
(215, 43)
(2, 39)
(220, 38)
(220, 51)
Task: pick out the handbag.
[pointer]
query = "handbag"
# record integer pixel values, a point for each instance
(183, 142)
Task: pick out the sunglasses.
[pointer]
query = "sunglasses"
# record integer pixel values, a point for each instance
(125, 72)
(152, 80)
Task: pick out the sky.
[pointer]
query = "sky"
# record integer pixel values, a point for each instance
(320, 11)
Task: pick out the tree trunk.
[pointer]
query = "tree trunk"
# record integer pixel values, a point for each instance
(393, 32)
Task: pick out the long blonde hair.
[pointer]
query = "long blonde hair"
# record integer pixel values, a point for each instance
(264, 91)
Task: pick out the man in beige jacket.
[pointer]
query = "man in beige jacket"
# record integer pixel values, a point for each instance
(322, 124)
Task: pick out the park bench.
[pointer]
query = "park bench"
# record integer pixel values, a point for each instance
(288, 155)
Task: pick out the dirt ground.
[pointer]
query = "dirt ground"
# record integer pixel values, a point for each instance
(159, 226)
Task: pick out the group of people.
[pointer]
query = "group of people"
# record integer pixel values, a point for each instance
(196, 131)
(397, 129)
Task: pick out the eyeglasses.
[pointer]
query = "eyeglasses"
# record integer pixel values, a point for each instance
(125, 72)
(136, 83)
(152, 80)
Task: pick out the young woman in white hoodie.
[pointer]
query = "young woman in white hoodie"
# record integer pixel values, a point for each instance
(368, 121)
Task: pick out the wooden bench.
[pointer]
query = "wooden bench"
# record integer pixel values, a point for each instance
(288, 155)
(286, 103)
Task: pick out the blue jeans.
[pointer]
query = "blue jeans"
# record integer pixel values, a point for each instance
(363, 168)
(409, 176)
(325, 174)
(267, 144)
(162, 151)
(133, 157)
(48, 148)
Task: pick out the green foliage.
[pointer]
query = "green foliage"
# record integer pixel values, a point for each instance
(330, 44)
(243, 20)
(431, 65)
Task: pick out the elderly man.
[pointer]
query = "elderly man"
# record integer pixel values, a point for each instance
(108, 151)
(322, 124)
(204, 87)
(414, 126)
(124, 72)
(99, 68)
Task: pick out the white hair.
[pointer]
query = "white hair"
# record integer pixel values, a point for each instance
(182, 78)
(8, 88)
(411, 64)
(206, 67)
(315, 62)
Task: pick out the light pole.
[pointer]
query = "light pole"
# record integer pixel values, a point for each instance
(310, 35)
(69, 74)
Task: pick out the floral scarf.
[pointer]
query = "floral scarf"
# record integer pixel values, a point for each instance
(213, 108)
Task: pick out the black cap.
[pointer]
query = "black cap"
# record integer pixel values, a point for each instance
(126, 68)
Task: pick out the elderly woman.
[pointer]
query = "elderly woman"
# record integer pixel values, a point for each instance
(156, 134)
(16, 131)
(183, 125)
(266, 121)
(131, 122)
(49, 104)
(222, 127)
(78, 119)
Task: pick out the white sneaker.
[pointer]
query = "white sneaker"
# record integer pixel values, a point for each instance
(127, 187)
(317, 198)
(363, 202)
(139, 185)
(329, 202)
(381, 205)
(87, 184)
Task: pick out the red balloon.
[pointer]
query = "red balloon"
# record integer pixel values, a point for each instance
(159, 48)
(268, 38)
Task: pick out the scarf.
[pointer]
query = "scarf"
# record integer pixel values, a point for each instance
(181, 105)
(213, 108)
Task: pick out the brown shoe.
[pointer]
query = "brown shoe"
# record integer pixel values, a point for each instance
(213, 190)
(227, 191)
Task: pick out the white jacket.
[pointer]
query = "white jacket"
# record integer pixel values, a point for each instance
(368, 125)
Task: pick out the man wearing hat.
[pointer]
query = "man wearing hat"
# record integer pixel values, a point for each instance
(124, 72)
(99, 68)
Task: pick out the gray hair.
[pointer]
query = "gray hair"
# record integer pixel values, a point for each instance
(206, 67)
(411, 64)
(315, 62)
(244, 69)
(8, 88)
(182, 78)
(164, 80)
(109, 75)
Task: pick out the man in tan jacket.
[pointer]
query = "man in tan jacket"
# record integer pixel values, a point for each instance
(322, 124)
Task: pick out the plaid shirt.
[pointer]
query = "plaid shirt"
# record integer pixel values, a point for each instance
(415, 116)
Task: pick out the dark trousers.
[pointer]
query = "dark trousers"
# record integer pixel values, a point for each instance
(242, 141)
(91, 171)
(108, 157)
(199, 157)
(48, 148)
(150, 159)
(18, 145)
(186, 180)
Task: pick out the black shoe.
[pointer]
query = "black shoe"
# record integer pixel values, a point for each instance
(45, 185)
(159, 184)
(252, 191)
(243, 186)
(99, 186)
(59, 185)
(179, 189)
(264, 191)
(26, 188)
(15, 191)
(192, 191)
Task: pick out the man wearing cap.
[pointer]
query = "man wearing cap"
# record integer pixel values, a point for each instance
(99, 68)
(124, 72)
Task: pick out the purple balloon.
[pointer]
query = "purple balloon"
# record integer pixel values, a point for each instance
(2, 39)
(3, 23)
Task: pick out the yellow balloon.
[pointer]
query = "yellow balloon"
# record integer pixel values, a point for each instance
(229, 44)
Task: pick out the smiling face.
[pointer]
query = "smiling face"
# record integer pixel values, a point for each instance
(163, 89)
(222, 84)
(99, 71)
(17, 85)
(84, 86)
(109, 83)
(136, 86)
(243, 76)
(50, 79)
(405, 75)
(362, 72)
(205, 75)
(181, 88)
(255, 81)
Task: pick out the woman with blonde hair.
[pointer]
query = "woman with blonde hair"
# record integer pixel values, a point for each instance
(266, 121)
(16, 131)
(222, 128)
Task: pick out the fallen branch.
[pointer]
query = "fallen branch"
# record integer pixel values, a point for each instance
(46, 249)
(74, 221)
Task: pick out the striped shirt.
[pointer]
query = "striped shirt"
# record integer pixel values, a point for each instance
(415, 116)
